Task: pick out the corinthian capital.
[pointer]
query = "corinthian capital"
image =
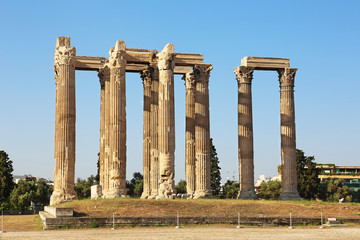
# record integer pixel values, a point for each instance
(287, 76)
(146, 77)
(117, 55)
(244, 74)
(64, 55)
(104, 74)
(202, 72)
(189, 81)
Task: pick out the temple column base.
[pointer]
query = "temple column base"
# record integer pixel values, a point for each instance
(60, 196)
(290, 196)
(202, 194)
(145, 195)
(116, 193)
(247, 194)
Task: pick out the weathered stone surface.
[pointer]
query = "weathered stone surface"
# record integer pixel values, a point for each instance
(202, 131)
(146, 76)
(265, 63)
(59, 211)
(117, 122)
(96, 191)
(190, 133)
(154, 115)
(288, 139)
(64, 154)
(244, 76)
(166, 120)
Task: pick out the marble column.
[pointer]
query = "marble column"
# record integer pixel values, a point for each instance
(202, 132)
(190, 133)
(104, 76)
(166, 122)
(146, 76)
(288, 139)
(244, 77)
(154, 162)
(117, 121)
(65, 115)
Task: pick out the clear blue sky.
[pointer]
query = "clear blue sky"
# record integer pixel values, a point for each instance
(321, 38)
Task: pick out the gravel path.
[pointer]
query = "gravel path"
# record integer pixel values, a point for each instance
(205, 232)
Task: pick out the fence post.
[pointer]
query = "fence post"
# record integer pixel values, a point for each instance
(291, 227)
(177, 220)
(321, 226)
(238, 226)
(113, 228)
(2, 221)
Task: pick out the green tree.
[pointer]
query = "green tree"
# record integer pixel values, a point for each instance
(270, 190)
(307, 176)
(6, 178)
(336, 189)
(30, 190)
(215, 170)
(181, 186)
(83, 187)
(230, 189)
(97, 177)
(43, 192)
(23, 194)
(135, 185)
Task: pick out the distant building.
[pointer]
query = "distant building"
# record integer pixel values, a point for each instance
(350, 174)
(262, 179)
(332, 171)
(17, 178)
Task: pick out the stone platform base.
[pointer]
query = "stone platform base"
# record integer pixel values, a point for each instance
(246, 194)
(286, 196)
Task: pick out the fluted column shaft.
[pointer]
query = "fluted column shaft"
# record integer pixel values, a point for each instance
(244, 77)
(65, 117)
(117, 121)
(166, 122)
(288, 139)
(146, 76)
(190, 133)
(202, 132)
(154, 165)
(104, 75)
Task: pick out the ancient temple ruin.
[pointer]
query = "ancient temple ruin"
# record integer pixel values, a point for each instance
(157, 71)
(244, 76)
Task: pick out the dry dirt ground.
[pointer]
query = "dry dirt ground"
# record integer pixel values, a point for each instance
(199, 232)
(212, 208)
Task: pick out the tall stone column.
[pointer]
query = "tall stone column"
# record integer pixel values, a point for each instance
(117, 121)
(146, 76)
(166, 122)
(65, 115)
(202, 132)
(244, 77)
(154, 165)
(104, 76)
(288, 139)
(190, 133)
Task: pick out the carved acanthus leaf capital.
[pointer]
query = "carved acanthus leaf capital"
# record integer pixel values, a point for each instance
(65, 55)
(202, 72)
(117, 57)
(189, 81)
(146, 77)
(244, 74)
(104, 74)
(287, 76)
